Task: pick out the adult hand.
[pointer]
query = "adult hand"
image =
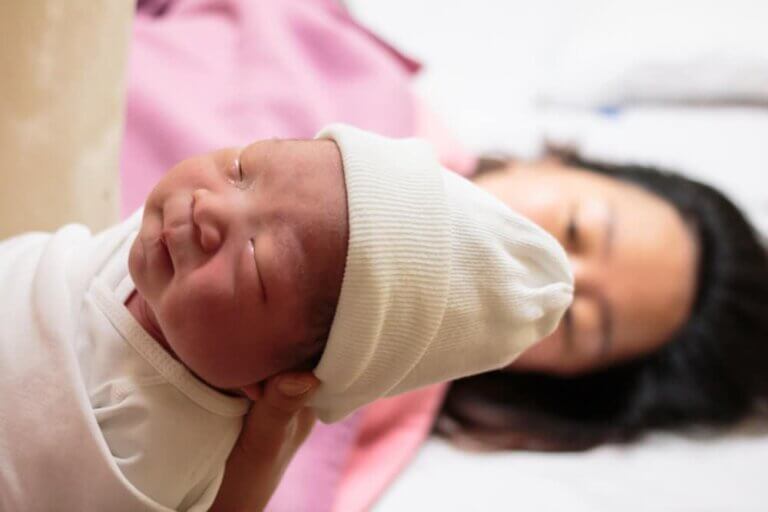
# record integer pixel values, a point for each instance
(274, 428)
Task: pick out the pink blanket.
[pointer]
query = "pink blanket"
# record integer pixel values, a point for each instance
(206, 74)
(388, 436)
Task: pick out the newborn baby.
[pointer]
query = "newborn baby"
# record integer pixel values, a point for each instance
(353, 255)
(240, 257)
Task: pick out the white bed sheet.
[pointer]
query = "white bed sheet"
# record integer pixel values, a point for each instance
(483, 59)
(664, 473)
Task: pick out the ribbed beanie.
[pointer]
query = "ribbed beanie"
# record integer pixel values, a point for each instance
(441, 281)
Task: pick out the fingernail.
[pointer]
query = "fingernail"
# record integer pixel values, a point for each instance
(293, 387)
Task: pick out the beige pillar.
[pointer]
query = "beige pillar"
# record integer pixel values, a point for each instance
(62, 69)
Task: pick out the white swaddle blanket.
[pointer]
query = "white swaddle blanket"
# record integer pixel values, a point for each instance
(95, 414)
(53, 454)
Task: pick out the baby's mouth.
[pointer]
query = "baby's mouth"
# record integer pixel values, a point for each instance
(155, 255)
(167, 250)
(174, 241)
(178, 233)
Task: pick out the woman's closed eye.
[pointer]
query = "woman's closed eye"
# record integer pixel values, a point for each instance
(568, 330)
(572, 234)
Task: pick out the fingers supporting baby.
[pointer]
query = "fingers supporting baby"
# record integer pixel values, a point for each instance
(279, 418)
(277, 424)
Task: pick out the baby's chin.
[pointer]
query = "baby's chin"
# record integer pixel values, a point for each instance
(225, 386)
(135, 261)
(138, 268)
(226, 376)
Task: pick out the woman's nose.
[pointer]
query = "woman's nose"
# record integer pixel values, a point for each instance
(581, 272)
(587, 274)
(209, 218)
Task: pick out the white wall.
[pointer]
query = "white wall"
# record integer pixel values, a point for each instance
(62, 64)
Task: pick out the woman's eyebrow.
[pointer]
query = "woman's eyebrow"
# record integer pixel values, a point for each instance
(610, 231)
(568, 329)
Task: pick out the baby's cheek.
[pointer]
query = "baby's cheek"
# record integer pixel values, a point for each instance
(210, 284)
(193, 307)
(197, 328)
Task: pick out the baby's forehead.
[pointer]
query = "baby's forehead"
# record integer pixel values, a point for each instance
(273, 149)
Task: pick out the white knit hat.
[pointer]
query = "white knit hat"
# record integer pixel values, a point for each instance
(442, 280)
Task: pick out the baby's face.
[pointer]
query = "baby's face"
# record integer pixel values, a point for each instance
(236, 252)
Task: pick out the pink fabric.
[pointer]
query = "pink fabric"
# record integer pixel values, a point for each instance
(314, 475)
(206, 74)
(452, 153)
(390, 432)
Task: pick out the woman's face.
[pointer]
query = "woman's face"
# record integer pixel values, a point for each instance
(633, 259)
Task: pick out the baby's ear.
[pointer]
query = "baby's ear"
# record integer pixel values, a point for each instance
(253, 391)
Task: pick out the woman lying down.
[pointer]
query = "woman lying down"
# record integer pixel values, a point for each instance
(668, 325)
(667, 330)
(130, 358)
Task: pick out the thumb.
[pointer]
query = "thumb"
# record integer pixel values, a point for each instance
(279, 417)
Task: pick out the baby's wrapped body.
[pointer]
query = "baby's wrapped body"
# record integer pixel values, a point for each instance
(95, 414)
(83, 424)
(105, 408)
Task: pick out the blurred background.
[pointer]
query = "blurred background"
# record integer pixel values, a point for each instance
(681, 84)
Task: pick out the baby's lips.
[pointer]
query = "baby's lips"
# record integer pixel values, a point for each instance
(156, 254)
(180, 241)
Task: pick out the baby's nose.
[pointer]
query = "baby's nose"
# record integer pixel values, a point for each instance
(204, 215)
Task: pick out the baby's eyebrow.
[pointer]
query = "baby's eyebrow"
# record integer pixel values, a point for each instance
(258, 271)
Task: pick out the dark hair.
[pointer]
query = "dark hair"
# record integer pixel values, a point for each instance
(320, 321)
(319, 315)
(713, 372)
(323, 290)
